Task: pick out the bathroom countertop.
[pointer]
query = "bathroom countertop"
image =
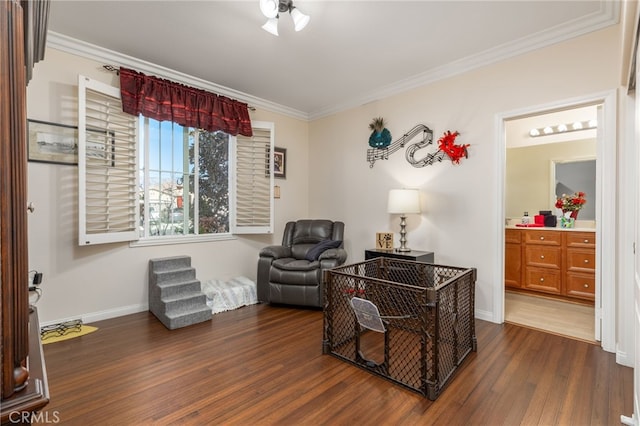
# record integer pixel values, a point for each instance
(580, 226)
(548, 228)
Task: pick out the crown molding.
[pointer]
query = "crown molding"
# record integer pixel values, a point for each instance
(109, 57)
(607, 15)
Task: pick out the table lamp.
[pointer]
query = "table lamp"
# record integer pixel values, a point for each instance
(403, 202)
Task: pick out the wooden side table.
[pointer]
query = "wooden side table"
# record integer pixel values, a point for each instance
(415, 255)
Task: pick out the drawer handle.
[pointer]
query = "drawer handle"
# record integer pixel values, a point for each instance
(542, 256)
(586, 286)
(542, 238)
(586, 261)
(586, 241)
(541, 280)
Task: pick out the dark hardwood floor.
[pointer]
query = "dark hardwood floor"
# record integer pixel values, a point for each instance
(263, 364)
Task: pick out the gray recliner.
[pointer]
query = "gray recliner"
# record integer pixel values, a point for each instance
(292, 273)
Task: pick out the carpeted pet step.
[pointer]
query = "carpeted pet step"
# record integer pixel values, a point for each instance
(184, 301)
(185, 318)
(169, 263)
(175, 295)
(172, 289)
(177, 275)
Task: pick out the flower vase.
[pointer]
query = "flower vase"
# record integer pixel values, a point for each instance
(572, 214)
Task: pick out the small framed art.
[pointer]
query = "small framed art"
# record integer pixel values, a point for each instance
(52, 143)
(280, 163)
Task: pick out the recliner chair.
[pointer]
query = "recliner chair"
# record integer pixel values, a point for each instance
(292, 273)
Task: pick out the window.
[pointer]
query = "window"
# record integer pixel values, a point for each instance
(184, 175)
(183, 184)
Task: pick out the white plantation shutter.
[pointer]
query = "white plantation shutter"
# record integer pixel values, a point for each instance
(107, 166)
(253, 181)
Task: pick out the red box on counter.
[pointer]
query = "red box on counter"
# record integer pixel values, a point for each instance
(539, 219)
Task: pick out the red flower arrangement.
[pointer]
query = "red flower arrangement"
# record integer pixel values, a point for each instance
(570, 203)
(447, 145)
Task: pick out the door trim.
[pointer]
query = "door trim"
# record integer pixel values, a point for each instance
(605, 218)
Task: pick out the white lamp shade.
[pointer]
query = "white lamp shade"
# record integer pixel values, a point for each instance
(271, 26)
(403, 201)
(300, 20)
(269, 8)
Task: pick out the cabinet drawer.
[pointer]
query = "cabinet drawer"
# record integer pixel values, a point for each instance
(543, 256)
(550, 238)
(581, 285)
(543, 279)
(581, 239)
(581, 260)
(512, 236)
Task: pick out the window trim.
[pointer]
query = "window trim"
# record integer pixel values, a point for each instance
(234, 229)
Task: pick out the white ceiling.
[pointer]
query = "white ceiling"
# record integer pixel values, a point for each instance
(352, 52)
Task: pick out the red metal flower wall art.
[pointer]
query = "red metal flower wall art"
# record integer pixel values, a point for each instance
(447, 145)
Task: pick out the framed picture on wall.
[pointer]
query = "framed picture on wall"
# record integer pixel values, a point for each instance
(52, 143)
(58, 143)
(280, 163)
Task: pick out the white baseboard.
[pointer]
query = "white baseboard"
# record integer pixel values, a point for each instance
(623, 358)
(101, 315)
(484, 315)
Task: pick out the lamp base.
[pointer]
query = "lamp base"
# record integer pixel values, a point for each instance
(403, 235)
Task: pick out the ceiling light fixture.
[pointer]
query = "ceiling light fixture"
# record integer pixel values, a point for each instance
(563, 128)
(272, 8)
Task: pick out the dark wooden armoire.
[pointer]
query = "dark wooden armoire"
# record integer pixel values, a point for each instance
(24, 385)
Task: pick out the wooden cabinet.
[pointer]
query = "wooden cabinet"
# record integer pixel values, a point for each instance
(580, 260)
(543, 261)
(512, 258)
(558, 263)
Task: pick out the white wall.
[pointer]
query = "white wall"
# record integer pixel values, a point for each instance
(459, 202)
(103, 281)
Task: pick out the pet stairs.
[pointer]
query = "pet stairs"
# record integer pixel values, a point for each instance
(175, 295)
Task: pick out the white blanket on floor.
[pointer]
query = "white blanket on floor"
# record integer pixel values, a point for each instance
(227, 295)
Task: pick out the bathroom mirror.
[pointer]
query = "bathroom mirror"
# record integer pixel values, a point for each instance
(570, 176)
(536, 165)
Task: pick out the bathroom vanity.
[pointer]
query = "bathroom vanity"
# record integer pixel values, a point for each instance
(551, 261)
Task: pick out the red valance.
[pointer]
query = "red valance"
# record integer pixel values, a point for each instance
(165, 100)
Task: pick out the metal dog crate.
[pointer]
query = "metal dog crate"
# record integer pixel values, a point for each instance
(427, 315)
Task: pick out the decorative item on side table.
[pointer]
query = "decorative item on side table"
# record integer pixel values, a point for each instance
(403, 202)
(570, 206)
(384, 240)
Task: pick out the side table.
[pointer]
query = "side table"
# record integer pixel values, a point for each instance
(415, 255)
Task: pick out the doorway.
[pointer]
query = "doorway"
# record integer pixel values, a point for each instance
(603, 313)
